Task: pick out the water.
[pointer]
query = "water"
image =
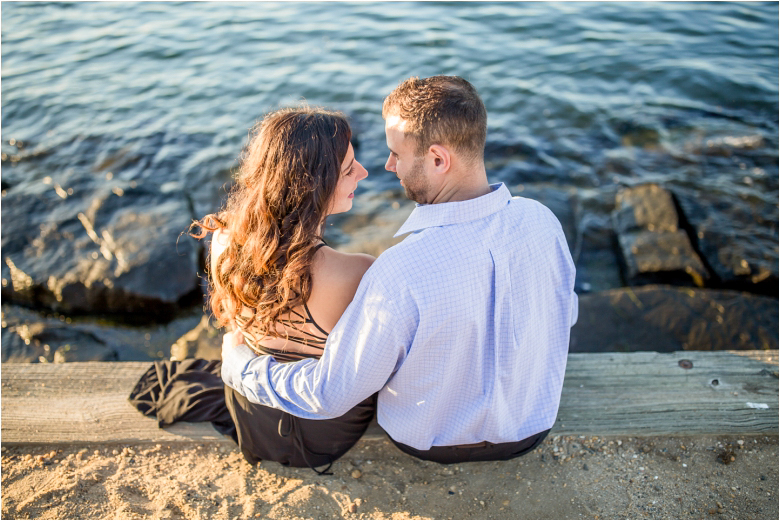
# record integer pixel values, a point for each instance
(584, 97)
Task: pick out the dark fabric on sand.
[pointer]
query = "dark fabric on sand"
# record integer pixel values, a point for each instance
(188, 390)
(192, 390)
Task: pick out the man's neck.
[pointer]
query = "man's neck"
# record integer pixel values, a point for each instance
(463, 188)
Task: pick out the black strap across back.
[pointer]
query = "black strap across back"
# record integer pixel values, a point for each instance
(296, 322)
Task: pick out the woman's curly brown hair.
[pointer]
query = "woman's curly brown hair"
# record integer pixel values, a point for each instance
(275, 214)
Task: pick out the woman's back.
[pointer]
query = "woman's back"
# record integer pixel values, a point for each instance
(335, 277)
(272, 278)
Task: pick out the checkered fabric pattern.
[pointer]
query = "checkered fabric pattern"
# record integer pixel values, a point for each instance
(463, 329)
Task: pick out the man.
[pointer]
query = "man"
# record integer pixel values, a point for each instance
(463, 327)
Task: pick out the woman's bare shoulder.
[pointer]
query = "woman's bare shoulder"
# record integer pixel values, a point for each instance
(339, 271)
(354, 260)
(335, 279)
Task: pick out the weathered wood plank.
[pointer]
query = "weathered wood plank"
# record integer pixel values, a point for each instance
(651, 394)
(83, 402)
(643, 393)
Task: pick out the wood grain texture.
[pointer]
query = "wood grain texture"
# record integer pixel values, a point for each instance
(650, 393)
(83, 402)
(643, 393)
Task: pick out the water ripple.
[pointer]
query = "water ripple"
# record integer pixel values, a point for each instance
(576, 84)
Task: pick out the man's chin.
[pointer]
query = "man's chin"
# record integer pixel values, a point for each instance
(414, 196)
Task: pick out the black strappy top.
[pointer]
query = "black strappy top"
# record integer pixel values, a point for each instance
(303, 337)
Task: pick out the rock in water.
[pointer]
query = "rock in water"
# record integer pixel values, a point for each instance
(654, 247)
(46, 341)
(111, 248)
(737, 237)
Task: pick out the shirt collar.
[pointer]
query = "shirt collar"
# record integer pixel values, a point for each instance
(443, 214)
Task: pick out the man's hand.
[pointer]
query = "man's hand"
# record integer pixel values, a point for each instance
(231, 340)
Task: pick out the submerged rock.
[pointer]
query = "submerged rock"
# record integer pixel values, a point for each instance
(726, 146)
(654, 247)
(27, 337)
(595, 247)
(99, 248)
(41, 342)
(667, 319)
(89, 339)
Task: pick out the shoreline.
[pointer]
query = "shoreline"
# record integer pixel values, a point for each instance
(591, 477)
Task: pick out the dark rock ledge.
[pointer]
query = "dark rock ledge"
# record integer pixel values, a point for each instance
(668, 318)
(105, 249)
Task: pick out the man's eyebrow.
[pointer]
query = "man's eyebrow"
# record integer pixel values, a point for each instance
(350, 165)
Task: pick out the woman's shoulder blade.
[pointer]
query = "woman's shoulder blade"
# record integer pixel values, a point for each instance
(340, 272)
(335, 279)
(342, 266)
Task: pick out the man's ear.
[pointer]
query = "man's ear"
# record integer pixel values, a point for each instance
(440, 159)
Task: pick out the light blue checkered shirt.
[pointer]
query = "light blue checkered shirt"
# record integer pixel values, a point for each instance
(462, 328)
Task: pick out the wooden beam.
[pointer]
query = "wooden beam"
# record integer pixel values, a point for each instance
(642, 393)
(82, 402)
(649, 393)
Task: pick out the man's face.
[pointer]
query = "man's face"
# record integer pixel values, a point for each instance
(408, 167)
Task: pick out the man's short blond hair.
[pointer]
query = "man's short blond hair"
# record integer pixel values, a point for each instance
(443, 110)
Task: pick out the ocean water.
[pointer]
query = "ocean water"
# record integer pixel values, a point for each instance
(580, 96)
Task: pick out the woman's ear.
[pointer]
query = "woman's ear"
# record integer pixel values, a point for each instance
(440, 158)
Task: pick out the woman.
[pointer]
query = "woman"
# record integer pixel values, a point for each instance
(273, 277)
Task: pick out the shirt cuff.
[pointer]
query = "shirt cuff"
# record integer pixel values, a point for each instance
(233, 365)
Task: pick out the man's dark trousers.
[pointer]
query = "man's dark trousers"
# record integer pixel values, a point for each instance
(483, 451)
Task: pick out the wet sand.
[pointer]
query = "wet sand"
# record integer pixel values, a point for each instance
(570, 477)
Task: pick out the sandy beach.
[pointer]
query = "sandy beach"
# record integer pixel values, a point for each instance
(572, 477)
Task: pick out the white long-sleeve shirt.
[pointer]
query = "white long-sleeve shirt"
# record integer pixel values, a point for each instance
(463, 329)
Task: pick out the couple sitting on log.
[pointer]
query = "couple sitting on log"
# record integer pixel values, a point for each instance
(457, 336)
